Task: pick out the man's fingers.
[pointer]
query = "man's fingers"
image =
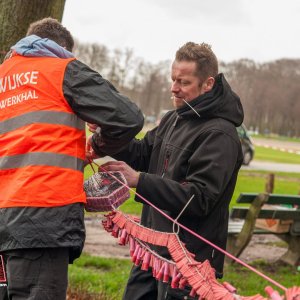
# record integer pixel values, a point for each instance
(109, 168)
(92, 127)
(113, 163)
(113, 166)
(132, 177)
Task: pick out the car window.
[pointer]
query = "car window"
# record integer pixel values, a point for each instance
(241, 132)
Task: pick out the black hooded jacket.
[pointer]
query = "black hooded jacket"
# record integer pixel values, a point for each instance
(190, 155)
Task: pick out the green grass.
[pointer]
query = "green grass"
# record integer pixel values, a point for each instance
(248, 283)
(255, 181)
(97, 275)
(140, 135)
(268, 154)
(107, 277)
(131, 207)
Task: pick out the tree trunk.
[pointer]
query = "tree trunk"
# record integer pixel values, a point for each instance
(16, 15)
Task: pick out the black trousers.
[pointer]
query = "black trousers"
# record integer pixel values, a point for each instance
(36, 274)
(142, 285)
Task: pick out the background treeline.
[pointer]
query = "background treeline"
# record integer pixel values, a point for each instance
(270, 92)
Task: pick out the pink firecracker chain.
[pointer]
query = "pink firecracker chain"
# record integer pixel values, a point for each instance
(291, 294)
(2, 270)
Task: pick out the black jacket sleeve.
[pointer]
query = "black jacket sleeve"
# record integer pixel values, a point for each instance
(95, 100)
(138, 152)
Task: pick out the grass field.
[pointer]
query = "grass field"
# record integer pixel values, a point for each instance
(267, 154)
(103, 278)
(100, 278)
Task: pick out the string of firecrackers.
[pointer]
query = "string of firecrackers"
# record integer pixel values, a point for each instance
(183, 269)
(2, 270)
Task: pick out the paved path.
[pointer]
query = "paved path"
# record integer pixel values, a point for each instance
(286, 146)
(271, 166)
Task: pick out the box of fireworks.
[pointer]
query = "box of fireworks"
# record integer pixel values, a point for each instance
(274, 225)
(105, 191)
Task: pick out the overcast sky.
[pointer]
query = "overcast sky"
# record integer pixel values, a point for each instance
(262, 30)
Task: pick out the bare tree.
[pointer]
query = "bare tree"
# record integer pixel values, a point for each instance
(270, 94)
(16, 15)
(156, 89)
(94, 55)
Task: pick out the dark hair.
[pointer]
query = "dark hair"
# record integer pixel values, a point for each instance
(50, 28)
(202, 54)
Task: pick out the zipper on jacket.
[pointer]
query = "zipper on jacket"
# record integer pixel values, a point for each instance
(175, 122)
(168, 153)
(213, 253)
(166, 163)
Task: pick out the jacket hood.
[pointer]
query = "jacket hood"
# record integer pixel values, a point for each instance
(220, 102)
(33, 45)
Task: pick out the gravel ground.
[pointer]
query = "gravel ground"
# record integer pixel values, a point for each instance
(101, 243)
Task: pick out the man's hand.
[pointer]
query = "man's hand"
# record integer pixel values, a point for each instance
(92, 127)
(130, 174)
(89, 151)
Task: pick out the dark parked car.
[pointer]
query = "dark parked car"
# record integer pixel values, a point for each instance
(247, 144)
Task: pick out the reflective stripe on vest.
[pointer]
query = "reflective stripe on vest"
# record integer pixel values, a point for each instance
(41, 159)
(42, 141)
(46, 117)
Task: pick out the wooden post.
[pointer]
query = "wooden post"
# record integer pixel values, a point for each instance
(270, 183)
(292, 256)
(238, 242)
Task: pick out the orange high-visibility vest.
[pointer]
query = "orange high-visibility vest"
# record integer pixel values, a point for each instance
(42, 141)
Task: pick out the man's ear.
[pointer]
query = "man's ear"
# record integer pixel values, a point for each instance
(208, 84)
